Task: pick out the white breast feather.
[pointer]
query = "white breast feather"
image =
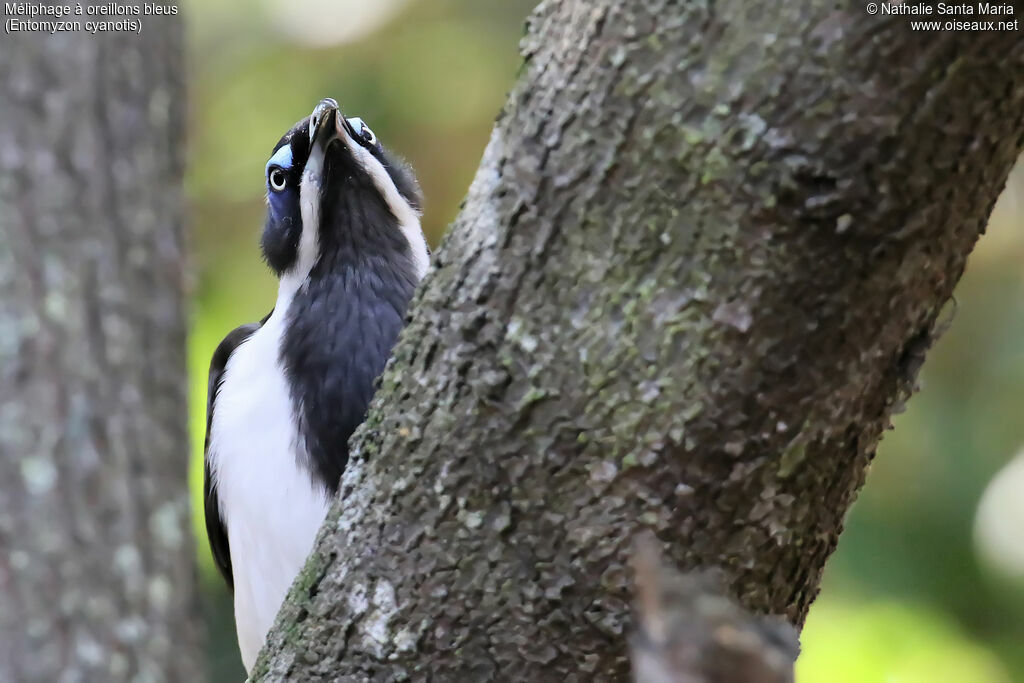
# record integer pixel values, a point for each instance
(268, 503)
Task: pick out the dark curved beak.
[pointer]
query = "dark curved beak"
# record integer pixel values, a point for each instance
(324, 120)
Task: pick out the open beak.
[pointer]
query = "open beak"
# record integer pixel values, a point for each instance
(323, 122)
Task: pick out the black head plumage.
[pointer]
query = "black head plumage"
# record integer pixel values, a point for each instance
(358, 190)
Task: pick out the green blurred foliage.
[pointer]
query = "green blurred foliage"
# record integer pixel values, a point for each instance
(891, 642)
(905, 598)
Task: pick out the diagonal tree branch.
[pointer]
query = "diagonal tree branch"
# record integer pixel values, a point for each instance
(697, 271)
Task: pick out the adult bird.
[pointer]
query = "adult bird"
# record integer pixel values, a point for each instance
(343, 236)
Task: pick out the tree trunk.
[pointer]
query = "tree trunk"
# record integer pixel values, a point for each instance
(97, 579)
(698, 270)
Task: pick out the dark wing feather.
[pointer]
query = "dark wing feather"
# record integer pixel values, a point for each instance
(215, 529)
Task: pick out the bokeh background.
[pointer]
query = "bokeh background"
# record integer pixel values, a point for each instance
(928, 582)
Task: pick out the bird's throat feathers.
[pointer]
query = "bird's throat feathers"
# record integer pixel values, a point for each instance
(340, 327)
(339, 196)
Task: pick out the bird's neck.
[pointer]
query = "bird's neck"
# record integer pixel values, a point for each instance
(286, 290)
(402, 270)
(340, 323)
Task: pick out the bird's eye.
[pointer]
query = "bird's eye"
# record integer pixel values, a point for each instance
(277, 180)
(363, 131)
(368, 135)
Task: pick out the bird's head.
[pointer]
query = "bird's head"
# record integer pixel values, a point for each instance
(332, 189)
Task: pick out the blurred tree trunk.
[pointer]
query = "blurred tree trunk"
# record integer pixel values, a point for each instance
(699, 268)
(96, 570)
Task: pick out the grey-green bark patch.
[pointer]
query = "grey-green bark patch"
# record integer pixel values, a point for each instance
(791, 458)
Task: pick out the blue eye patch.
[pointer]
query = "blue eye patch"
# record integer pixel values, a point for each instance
(282, 158)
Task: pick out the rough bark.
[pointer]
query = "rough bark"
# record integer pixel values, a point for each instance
(97, 579)
(698, 269)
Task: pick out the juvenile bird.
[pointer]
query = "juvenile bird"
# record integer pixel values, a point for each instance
(343, 236)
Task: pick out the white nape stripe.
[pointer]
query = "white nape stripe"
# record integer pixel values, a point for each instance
(408, 218)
